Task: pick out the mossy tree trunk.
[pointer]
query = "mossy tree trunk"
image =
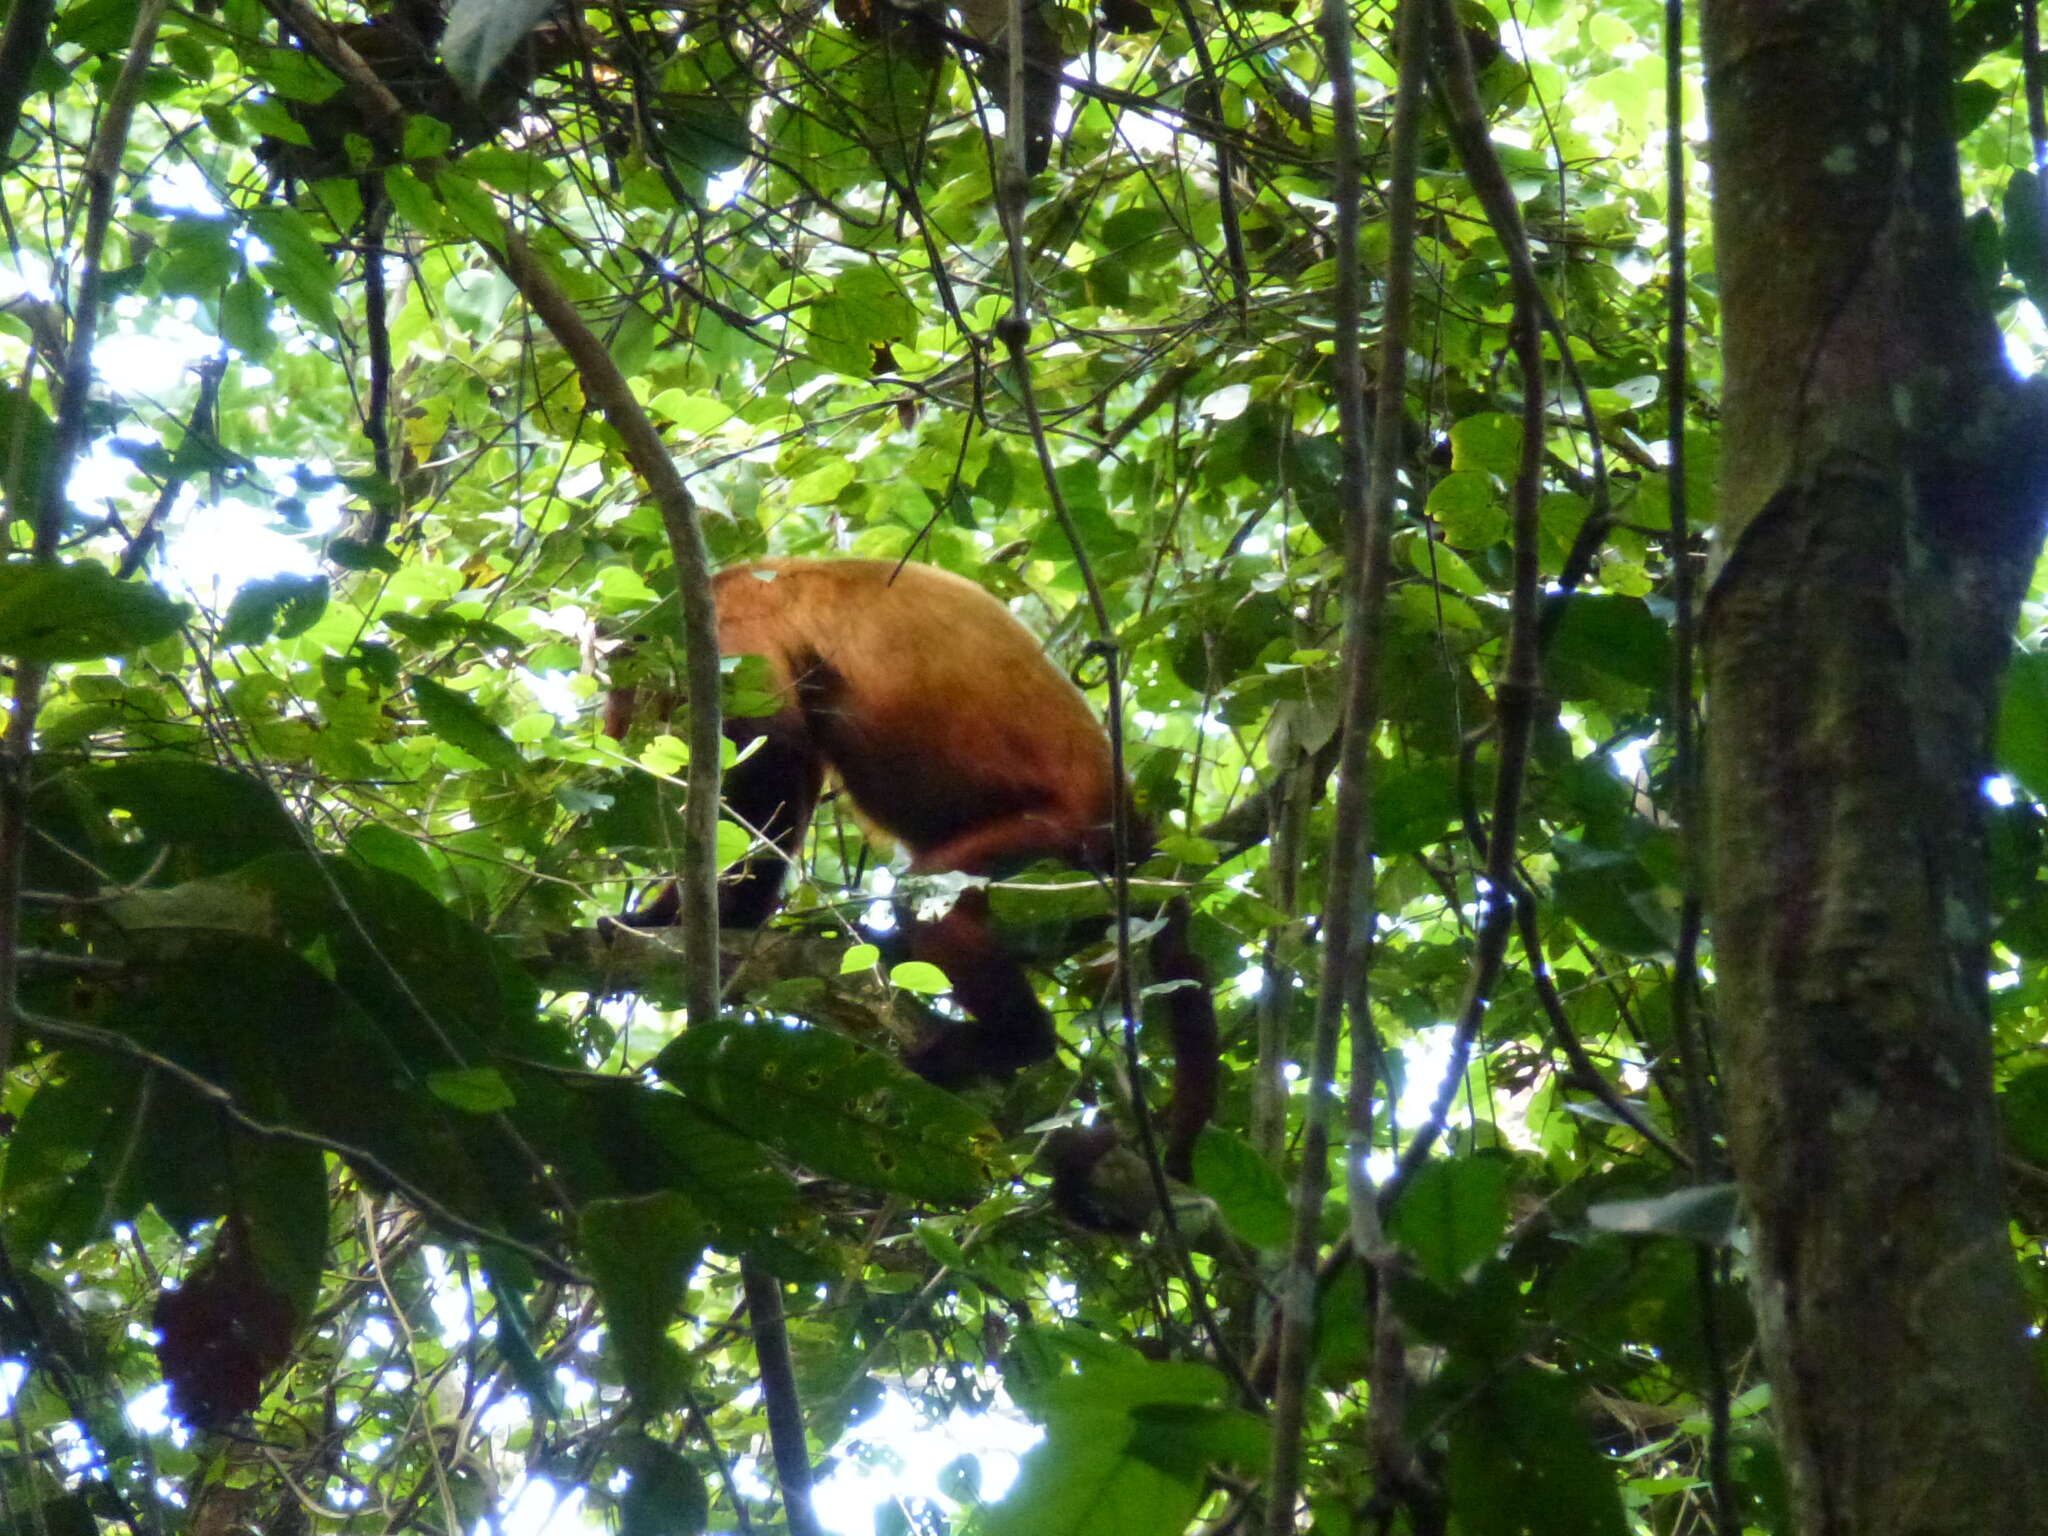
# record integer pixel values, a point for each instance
(1882, 488)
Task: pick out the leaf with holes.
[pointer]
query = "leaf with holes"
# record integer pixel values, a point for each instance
(835, 1108)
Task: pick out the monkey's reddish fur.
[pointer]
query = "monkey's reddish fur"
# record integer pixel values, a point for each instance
(939, 711)
(954, 734)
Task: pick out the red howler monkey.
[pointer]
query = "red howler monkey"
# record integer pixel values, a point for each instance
(951, 732)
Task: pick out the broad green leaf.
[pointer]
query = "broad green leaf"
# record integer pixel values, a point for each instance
(920, 976)
(1618, 636)
(457, 720)
(481, 35)
(471, 208)
(2022, 746)
(79, 611)
(1613, 897)
(1490, 442)
(1706, 1212)
(1246, 1188)
(280, 1193)
(834, 1107)
(865, 310)
(210, 819)
(1127, 1451)
(1452, 1215)
(389, 849)
(2023, 1107)
(666, 1495)
(474, 1090)
(1467, 508)
(1520, 1463)
(640, 1252)
(280, 605)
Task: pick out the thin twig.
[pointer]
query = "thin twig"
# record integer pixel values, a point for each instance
(1366, 494)
(1015, 331)
(2037, 90)
(199, 425)
(779, 1394)
(1686, 1024)
(17, 748)
(1141, 1112)
(1226, 169)
(377, 331)
(91, 1037)
(1516, 692)
(21, 47)
(1568, 1038)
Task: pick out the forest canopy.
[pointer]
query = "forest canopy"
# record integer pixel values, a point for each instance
(355, 1176)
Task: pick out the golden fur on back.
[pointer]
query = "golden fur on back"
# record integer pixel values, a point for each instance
(939, 711)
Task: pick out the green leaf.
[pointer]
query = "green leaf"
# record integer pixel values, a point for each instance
(2022, 745)
(79, 612)
(865, 309)
(425, 137)
(1490, 442)
(2023, 1107)
(1613, 897)
(457, 720)
(1127, 1450)
(413, 199)
(65, 1156)
(1248, 1191)
(474, 1090)
(302, 274)
(1412, 809)
(245, 319)
(198, 257)
(625, 1137)
(1452, 1215)
(666, 1496)
(26, 433)
(920, 976)
(1467, 509)
(355, 555)
(481, 35)
(1706, 1213)
(834, 1107)
(389, 849)
(280, 605)
(821, 486)
(1619, 636)
(1520, 1463)
(1971, 102)
(2026, 235)
(471, 207)
(403, 956)
(281, 1195)
(640, 1252)
(212, 819)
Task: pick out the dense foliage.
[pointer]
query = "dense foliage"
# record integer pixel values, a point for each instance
(328, 1106)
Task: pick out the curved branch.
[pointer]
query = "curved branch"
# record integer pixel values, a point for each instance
(786, 1435)
(17, 749)
(1516, 692)
(1366, 492)
(91, 1037)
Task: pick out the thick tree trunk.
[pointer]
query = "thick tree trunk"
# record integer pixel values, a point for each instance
(1882, 489)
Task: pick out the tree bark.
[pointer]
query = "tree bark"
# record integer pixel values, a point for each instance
(1881, 493)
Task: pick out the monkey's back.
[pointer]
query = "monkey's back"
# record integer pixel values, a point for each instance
(939, 711)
